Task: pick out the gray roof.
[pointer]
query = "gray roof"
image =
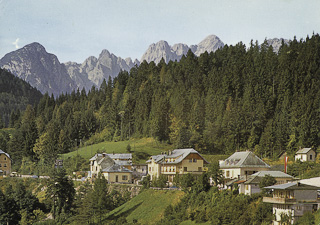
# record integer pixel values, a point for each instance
(178, 155)
(109, 165)
(293, 186)
(243, 159)
(116, 169)
(303, 151)
(113, 156)
(2, 152)
(275, 174)
(120, 156)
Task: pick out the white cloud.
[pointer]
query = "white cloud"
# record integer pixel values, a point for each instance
(16, 43)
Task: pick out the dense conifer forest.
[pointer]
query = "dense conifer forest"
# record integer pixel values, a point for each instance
(236, 98)
(15, 95)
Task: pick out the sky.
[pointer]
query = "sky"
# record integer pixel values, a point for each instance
(73, 30)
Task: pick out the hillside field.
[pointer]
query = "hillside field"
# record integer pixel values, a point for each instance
(147, 207)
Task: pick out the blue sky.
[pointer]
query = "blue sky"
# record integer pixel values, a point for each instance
(76, 29)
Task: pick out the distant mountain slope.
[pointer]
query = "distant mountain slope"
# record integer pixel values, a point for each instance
(162, 49)
(41, 69)
(15, 94)
(276, 43)
(93, 70)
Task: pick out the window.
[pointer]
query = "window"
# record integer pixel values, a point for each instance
(124, 177)
(227, 173)
(194, 160)
(185, 169)
(0, 164)
(199, 168)
(150, 169)
(5, 158)
(190, 160)
(5, 165)
(247, 187)
(310, 157)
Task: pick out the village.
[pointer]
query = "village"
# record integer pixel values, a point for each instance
(242, 170)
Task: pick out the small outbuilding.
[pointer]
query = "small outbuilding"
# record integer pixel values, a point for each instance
(305, 154)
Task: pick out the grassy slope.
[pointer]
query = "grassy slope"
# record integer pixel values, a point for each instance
(145, 145)
(147, 207)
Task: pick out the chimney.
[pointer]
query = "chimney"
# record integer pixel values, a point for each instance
(104, 155)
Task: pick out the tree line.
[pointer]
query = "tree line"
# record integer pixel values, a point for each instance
(236, 98)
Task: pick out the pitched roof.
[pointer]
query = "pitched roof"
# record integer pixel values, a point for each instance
(275, 174)
(109, 165)
(177, 155)
(303, 151)
(243, 159)
(314, 181)
(120, 156)
(2, 152)
(293, 186)
(116, 169)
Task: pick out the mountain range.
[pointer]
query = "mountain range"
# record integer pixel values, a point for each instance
(45, 72)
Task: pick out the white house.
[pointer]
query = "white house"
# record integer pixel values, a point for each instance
(242, 164)
(292, 199)
(305, 154)
(113, 172)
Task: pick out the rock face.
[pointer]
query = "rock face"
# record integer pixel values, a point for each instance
(42, 70)
(93, 70)
(162, 49)
(276, 43)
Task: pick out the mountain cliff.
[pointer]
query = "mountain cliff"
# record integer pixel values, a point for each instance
(44, 71)
(41, 69)
(93, 70)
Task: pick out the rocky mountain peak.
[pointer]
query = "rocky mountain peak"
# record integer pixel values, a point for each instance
(162, 49)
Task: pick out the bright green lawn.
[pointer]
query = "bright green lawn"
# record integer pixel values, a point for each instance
(147, 207)
(147, 145)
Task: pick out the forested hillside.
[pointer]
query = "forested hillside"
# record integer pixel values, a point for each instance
(15, 94)
(235, 98)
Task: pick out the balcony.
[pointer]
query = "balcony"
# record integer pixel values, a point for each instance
(279, 200)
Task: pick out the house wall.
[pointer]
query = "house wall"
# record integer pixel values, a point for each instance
(154, 169)
(124, 177)
(279, 209)
(305, 194)
(5, 164)
(193, 163)
(94, 167)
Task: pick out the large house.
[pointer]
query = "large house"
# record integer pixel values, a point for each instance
(178, 161)
(241, 164)
(250, 185)
(293, 200)
(305, 154)
(113, 172)
(5, 163)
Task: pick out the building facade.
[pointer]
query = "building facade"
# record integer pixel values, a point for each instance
(112, 171)
(293, 200)
(5, 163)
(178, 161)
(241, 164)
